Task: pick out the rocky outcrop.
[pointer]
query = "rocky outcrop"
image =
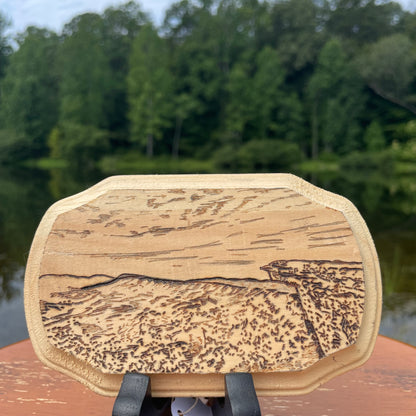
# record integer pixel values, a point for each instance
(305, 311)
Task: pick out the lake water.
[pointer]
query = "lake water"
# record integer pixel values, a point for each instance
(387, 203)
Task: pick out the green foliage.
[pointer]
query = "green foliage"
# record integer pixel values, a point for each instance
(410, 129)
(259, 156)
(80, 144)
(55, 143)
(291, 119)
(5, 48)
(266, 87)
(120, 26)
(268, 155)
(405, 152)
(296, 32)
(30, 90)
(149, 89)
(374, 137)
(85, 73)
(337, 100)
(14, 146)
(184, 105)
(388, 67)
(250, 85)
(23, 199)
(257, 104)
(366, 161)
(363, 21)
(393, 272)
(48, 164)
(239, 107)
(136, 163)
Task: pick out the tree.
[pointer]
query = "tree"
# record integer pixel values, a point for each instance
(81, 144)
(149, 89)
(267, 93)
(30, 91)
(239, 104)
(180, 20)
(290, 119)
(264, 155)
(268, 155)
(200, 64)
(363, 21)
(374, 137)
(120, 26)
(408, 24)
(241, 29)
(336, 99)
(258, 105)
(85, 73)
(85, 90)
(219, 73)
(5, 48)
(297, 32)
(388, 67)
(184, 104)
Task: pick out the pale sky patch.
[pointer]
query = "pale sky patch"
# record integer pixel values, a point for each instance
(54, 14)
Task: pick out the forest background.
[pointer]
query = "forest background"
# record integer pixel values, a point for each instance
(219, 86)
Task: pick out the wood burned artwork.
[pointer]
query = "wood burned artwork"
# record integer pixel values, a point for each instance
(186, 279)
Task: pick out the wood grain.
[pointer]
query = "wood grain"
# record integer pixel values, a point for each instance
(180, 279)
(194, 233)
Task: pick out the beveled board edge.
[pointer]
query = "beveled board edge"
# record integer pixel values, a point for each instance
(266, 384)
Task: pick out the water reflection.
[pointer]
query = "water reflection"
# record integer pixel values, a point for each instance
(25, 194)
(23, 198)
(399, 317)
(388, 204)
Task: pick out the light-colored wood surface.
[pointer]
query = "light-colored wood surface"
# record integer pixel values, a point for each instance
(384, 386)
(186, 278)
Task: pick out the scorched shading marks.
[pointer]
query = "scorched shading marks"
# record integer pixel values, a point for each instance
(305, 311)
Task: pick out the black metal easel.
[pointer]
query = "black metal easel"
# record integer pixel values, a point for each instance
(134, 398)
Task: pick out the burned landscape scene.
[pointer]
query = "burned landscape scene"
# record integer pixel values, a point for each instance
(201, 281)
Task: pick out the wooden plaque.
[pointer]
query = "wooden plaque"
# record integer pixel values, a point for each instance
(186, 278)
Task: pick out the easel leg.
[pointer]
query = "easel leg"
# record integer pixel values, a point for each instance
(240, 397)
(134, 398)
